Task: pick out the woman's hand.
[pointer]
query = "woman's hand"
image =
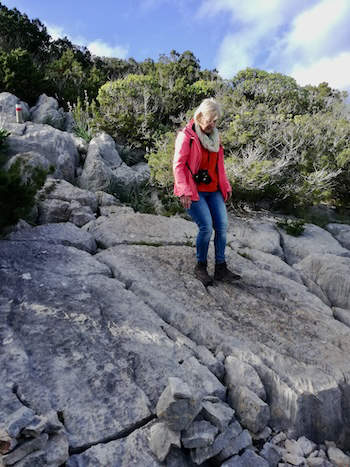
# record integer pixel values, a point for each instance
(228, 196)
(186, 201)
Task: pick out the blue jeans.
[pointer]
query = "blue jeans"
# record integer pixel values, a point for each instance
(208, 212)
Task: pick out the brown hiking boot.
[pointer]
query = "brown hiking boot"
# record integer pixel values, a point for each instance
(225, 275)
(201, 273)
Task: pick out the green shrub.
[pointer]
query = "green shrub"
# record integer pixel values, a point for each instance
(85, 116)
(131, 110)
(293, 227)
(17, 197)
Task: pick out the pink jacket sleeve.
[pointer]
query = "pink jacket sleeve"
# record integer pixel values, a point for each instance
(182, 186)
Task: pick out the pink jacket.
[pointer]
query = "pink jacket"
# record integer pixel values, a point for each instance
(192, 154)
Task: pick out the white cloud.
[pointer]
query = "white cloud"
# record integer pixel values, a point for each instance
(315, 31)
(102, 49)
(308, 40)
(333, 70)
(96, 47)
(56, 32)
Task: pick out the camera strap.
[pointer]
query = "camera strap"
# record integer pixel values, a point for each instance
(208, 154)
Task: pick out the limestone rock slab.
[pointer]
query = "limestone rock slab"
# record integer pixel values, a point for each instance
(57, 234)
(313, 240)
(136, 228)
(341, 232)
(332, 274)
(132, 450)
(256, 234)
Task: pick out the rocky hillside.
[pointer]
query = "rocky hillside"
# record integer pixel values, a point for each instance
(110, 346)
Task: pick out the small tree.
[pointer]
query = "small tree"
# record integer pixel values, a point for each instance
(131, 109)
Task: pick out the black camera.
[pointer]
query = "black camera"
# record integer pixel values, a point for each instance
(202, 176)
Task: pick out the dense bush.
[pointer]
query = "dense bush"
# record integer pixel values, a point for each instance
(283, 142)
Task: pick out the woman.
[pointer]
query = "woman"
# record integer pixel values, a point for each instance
(203, 188)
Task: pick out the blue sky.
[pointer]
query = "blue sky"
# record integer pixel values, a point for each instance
(306, 39)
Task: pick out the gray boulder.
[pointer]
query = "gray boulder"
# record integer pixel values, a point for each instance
(81, 145)
(127, 180)
(8, 108)
(178, 405)
(248, 459)
(56, 146)
(222, 441)
(104, 170)
(240, 442)
(46, 110)
(271, 453)
(106, 199)
(253, 412)
(59, 201)
(101, 159)
(199, 434)
(239, 373)
(218, 413)
(64, 191)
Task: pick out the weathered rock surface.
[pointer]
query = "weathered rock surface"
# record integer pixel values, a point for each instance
(341, 232)
(131, 450)
(57, 234)
(256, 235)
(95, 338)
(331, 274)
(136, 228)
(313, 240)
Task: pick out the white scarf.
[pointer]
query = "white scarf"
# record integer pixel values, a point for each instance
(210, 142)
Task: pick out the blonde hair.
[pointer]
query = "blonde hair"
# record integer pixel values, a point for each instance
(207, 107)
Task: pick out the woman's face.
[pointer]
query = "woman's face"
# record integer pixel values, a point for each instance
(208, 123)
